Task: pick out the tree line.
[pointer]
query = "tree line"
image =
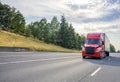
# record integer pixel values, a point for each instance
(60, 33)
(57, 32)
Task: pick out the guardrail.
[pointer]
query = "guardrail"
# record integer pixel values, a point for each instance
(13, 49)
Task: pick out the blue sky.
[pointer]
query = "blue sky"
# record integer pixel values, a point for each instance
(85, 15)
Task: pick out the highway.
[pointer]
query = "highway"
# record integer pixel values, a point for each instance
(57, 67)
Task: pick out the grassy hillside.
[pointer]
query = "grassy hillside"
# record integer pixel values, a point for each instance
(16, 40)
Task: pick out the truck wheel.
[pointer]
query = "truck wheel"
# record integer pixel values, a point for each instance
(83, 57)
(107, 53)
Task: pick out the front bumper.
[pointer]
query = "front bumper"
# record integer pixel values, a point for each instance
(96, 54)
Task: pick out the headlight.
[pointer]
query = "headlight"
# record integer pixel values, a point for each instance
(98, 49)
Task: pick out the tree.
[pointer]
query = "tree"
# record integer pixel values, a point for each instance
(5, 16)
(33, 28)
(76, 44)
(28, 31)
(39, 29)
(42, 26)
(18, 23)
(62, 36)
(53, 30)
(79, 42)
(112, 48)
(67, 36)
(82, 39)
(70, 35)
(11, 20)
(47, 33)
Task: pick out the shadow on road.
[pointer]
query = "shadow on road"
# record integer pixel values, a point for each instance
(111, 61)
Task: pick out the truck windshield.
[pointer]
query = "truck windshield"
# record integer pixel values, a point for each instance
(92, 41)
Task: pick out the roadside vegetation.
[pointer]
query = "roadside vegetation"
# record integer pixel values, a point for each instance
(112, 48)
(15, 40)
(55, 32)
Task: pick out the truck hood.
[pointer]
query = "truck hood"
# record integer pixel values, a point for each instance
(91, 45)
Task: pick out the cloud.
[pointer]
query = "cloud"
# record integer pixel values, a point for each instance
(94, 12)
(73, 7)
(98, 26)
(113, 1)
(76, 11)
(38, 7)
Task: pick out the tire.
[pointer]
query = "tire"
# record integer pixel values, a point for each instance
(107, 53)
(83, 57)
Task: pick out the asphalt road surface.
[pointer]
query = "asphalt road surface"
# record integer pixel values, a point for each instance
(57, 67)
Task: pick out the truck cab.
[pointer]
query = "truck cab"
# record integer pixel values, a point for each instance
(96, 45)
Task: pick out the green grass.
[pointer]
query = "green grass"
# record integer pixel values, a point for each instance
(15, 40)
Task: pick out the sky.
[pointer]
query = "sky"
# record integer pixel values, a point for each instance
(85, 15)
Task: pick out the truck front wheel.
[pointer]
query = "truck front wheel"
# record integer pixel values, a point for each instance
(83, 57)
(107, 53)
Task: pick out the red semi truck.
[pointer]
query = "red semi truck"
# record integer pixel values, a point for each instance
(96, 45)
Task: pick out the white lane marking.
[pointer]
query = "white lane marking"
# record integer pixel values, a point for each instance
(35, 60)
(95, 71)
(13, 56)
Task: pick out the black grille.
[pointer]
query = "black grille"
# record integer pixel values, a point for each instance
(89, 50)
